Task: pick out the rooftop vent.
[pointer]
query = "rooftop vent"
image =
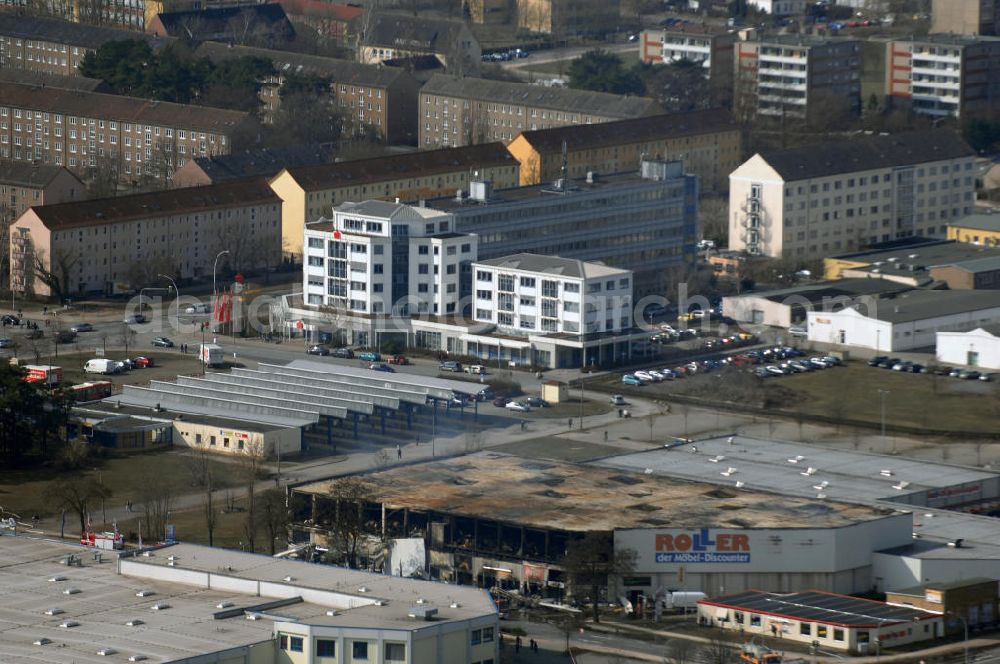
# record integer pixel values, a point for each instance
(423, 612)
(137, 658)
(331, 612)
(147, 554)
(808, 472)
(728, 471)
(796, 458)
(288, 579)
(957, 544)
(363, 589)
(144, 593)
(71, 591)
(104, 652)
(717, 458)
(54, 579)
(53, 612)
(160, 606)
(822, 485)
(41, 642)
(170, 557)
(379, 602)
(421, 600)
(901, 485)
(740, 484)
(886, 472)
(253, 616)
(455, 605)
(223, 605)
(66, 624)
(135, 622)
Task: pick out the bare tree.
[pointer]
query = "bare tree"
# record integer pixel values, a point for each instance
(681, 651)
(251, 459)
(713, 213)
(717, 651)
(199, 463)
(273, 516)
(77, 493)
(342, 514)
(58, 275)
(157, 499)
(592, 560)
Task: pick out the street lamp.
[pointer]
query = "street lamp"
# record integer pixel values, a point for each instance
(965, 626)
(177, 292)
(215, 265)
(881, 395)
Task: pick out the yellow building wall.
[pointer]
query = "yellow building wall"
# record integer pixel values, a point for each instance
(293, 212)
(529, 158)
(833, 267)
(974, 235)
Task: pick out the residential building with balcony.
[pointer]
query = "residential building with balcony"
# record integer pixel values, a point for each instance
(371, 98)
(711, 46)
(55, 46)
(707, 142)
(465, 111)
(965, 17)
(22, 187)
(798, 77)
(135, 139)
(377, 257)
(311, 192)
(809, 202)
(945, 75)
(114, 245)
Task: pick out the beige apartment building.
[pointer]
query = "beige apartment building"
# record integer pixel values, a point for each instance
(707, 142)
(111, 245)
(945, 75)
(806, 203)
(376, 97)
(567, 17)
(310, 192)
(55, 46)
(133, 138)
(710, 46)
(966, 17)
(24, 186)
(465, 111)
(798, 77)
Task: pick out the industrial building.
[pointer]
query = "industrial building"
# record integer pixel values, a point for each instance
(961, 263)
(978, 348)
(950, 538)
(519, 543)
(188, 604)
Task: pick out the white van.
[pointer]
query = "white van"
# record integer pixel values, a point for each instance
(101, 366)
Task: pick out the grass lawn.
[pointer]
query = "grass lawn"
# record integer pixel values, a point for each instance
(29, 491)
(190, 525)
(168, 363)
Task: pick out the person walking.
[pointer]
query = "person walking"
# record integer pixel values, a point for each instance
(399, 451)
(517, 644)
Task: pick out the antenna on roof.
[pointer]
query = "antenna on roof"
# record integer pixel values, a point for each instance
(565, 160)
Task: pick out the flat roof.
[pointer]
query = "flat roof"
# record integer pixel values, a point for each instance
(110, 411)
(555, 266)
(918, 591)
(924, 254)
(830, 289)
(917, 305)
(398, 381)
(820, 607)
(982, 221)
(581, 498)
(107, 600)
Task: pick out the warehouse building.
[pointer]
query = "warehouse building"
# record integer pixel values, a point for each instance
(978, 348)
(185, 603)
(973, 599)
(917, 261)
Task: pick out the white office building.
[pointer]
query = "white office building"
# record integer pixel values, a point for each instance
(978, 348)
(809, 202)
(386, 258)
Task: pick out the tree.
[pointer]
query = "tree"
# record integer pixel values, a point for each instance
(714, 216)
(591, 560)
(199, 464)
(307, 114)
(273, 515)
(602, 71)
(77, 493)
(157, 498)
(342, 514)
(679, 87)
(57, 276)
(251, 458)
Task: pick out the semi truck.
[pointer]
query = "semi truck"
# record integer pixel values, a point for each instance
(211, 355)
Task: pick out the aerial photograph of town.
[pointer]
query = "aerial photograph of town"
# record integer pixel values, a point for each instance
(500, 331)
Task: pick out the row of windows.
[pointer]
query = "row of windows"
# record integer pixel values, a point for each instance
(360, 650)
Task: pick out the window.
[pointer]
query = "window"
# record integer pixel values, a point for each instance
(805, 629)
(395, 652)
(359, 649)
(571, 288)
(571, 307)
(505, 282)
(326, 648)
(477, 637)
(755, 620)
(487, 634)
(483, 275)
(283, 641)
(423, 250)
(838, 634)
(550, 288)
(527, 282)
(316, 261)
(295, 643)
(821, 631)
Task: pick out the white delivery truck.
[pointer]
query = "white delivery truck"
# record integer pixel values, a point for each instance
(211, 355)
(680, 600)
(101, 366)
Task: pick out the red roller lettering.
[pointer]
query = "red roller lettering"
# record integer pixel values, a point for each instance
(682, 542)
(740, 543)
(664, 542)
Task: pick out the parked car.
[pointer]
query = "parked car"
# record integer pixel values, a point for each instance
(143, 361)
(65, 336)
(81, 327)
(101, 366)
(537, 402)
(370, 356)
(888, 363)
(500, 401)
(775, 370)
(630, 379)
(475, 369)
(9, 319)
(903, 365)
(196, 309)
(163, 342)
(36, 333)
(127, 364)
(450, 365)
(318, 349)
(878, 359)
(797, 331)
(643, 376)
(969, 374)
(986, 377)
(519, 406)
(381, 366)
(6, 343)
(134, 319)
(617, 400)
(397, 359)
(344, 353)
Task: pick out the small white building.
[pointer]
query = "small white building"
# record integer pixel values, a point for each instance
(779, 7)
(976, 348)
(379, 258)
(905, 322)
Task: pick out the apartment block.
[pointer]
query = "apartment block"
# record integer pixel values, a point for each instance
(567, 17)
(263, 24)
(779, 7)
(332, 20)
(115, 245)
(84, 130)
(22, 187)
(372, 97)
(965, 17)
(124, 14)
(798, 77)
(707, 142)
(809, 202)
(392, 36)
(377, 257)
(54, 46)
(259, 162)
(311, 192)
(945, 75)
(465, 111)
(645, 220)
(711, 46)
